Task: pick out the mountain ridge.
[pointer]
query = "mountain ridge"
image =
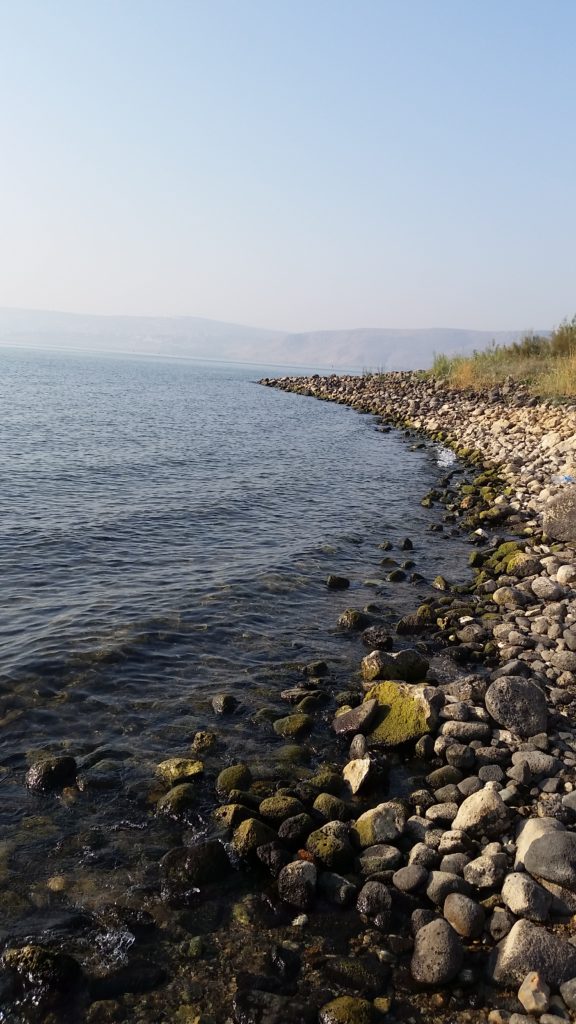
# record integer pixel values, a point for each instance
(384, 348)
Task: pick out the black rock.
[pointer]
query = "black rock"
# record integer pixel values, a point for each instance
(51, 773)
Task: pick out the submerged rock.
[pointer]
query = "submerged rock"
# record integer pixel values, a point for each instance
(178, 800)
(179, 769)
(51, 773)
(297, 884)
(293, 726)
(185, 868)
(347, 1010)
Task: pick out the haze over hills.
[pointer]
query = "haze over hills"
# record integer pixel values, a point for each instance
(195, 337)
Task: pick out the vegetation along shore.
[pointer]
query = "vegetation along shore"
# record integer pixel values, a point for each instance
(423, 866)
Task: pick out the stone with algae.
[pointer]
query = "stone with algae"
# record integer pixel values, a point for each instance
(404, 712)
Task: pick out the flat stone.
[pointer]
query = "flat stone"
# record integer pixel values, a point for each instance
(179, 769)
(356, 772)
(410, 878)
(356, 720)
(530, 947)
(404, 712)
(538, 762)
(517, 704)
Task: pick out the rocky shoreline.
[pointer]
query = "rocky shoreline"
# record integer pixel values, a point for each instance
(326, 895)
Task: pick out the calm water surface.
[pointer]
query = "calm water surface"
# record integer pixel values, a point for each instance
(166, 529)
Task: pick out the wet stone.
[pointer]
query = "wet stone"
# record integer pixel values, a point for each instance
(337, 583)
(251, 834)
(185, 868)
(331, 846)
(236, 776)
(293, 726)
(336, 889)
(277, 808)
(374, 899)
(178, 801)
(295, 831)
(297, 884)
(51, 773)
(224, 703)
(346, 1010)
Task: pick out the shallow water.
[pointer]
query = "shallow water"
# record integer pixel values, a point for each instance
(166, 532)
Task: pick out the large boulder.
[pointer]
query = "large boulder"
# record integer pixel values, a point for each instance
(518, 704)
(553, 857)
(529, 947)
(560, 516)
(404, 712)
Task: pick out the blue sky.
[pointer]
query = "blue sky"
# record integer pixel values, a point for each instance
(291, 164)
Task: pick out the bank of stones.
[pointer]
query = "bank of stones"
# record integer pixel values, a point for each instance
(480, 861)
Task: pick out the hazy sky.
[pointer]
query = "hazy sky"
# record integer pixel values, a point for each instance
(291, 163)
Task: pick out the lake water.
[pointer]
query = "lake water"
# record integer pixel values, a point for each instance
(166, 531)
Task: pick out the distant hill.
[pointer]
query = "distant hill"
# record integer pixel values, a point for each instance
(360, 348)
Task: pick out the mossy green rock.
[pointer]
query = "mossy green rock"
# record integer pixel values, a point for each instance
(231, 815)
(250, 835)
(293, 726)
(330, 845)
(278, 808)
(522, 564)
(404, 713)
(178, 800)
(236, 776)
(326, 780)
(347, 1010)
(331, 808)
(179, 769)
(352, 619)
(380, 825)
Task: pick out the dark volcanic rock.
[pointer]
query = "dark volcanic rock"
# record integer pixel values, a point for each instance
(517, 704)
(438, 954)
(185, 868)
(530, 947)
(51, 773)
(553, 858)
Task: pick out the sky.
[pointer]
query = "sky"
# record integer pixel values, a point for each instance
(298, 164)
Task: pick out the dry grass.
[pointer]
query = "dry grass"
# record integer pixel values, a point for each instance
(546, 365)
